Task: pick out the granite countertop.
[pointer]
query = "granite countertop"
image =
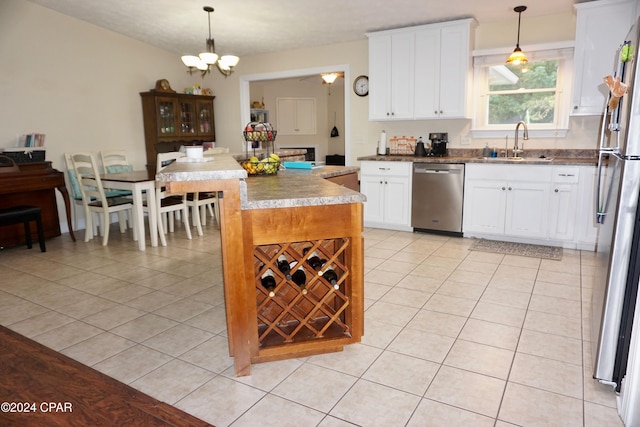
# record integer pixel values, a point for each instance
(284, 190)
(531, 157)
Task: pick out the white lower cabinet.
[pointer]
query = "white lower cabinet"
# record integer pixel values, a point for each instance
(387, 186)
(506, 200)
(536, 204)
(564, 202)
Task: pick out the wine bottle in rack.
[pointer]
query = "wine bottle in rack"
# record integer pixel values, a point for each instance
(330, 276)
(314, 260)
(299, 277)
(283, 266)
(269, 282)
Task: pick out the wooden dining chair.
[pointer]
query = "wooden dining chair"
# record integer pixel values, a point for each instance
(94, 198)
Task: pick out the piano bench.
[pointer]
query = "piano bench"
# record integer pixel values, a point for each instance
(24, 214)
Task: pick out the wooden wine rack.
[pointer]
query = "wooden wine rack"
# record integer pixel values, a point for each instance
(294, 313)
(293, 323)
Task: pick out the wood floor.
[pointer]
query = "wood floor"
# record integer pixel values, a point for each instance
(60, 391)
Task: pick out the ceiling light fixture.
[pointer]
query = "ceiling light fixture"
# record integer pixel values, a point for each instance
(329, 78)
(518, 57)
(205, 60)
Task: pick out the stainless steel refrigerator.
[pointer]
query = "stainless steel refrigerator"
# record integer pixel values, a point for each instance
(615, 290)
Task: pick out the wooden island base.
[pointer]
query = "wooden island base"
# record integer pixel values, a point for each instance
(320, 314)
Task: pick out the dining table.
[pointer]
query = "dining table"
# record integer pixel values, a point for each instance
(138, 182)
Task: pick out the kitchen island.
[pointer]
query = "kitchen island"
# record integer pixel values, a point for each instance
(292, 216)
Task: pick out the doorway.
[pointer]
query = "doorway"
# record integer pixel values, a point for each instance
(302, 74)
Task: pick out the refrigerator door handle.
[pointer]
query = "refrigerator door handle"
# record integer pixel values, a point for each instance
(602, 199)
(599, 213)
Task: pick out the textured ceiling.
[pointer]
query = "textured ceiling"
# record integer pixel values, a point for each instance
(247, 27)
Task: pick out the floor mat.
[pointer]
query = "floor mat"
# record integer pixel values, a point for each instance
(522, 249)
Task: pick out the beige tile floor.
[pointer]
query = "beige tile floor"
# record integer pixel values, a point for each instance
(452, 337)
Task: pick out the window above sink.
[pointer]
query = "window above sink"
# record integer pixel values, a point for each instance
(537, 92)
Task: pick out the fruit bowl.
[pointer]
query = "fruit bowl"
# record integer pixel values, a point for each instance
(259, 132)
(267, 166)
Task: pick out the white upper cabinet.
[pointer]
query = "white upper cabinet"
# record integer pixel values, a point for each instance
(443, 70)
(391, 67)
(296, 116)
(420, 72)
(600, 29)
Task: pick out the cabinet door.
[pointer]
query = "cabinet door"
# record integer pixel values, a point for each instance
(600, 28)
(484, 206)
(379, 77)
(391, 71)
(373, 188)
(527, 209)
(296, 116)
(454, 71)
(564, 200)
(397, 210)
(205, 117)
(402, 75)
(167, 116)
(427, 74)
(187, 119)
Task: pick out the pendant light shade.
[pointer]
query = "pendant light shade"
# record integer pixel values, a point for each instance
(518, 57)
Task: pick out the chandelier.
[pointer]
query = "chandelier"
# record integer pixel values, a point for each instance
(518, 57)
(205, 60)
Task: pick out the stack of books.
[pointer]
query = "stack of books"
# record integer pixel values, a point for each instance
(31, 140)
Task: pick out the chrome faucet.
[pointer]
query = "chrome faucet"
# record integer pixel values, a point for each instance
(525, 136)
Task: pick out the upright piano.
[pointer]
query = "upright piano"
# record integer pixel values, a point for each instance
(34, 184)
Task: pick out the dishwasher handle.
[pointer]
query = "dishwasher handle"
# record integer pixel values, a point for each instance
(430, 169)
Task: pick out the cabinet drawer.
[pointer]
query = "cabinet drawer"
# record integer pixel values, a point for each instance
(386, 168)
(566, 174)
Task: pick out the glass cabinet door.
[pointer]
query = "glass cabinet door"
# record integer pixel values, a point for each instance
(166, 116)
(205, 117)
(187, 118)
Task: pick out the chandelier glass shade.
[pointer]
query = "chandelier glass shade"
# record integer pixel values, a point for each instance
(518, 57)
(205, 60)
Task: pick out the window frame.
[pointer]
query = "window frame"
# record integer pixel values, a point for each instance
(483, 59)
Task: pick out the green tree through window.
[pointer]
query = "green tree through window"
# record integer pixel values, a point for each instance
(523, 93)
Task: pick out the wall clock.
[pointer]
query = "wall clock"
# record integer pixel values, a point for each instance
(361, 85)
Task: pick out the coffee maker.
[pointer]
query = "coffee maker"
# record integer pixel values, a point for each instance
(439, 143)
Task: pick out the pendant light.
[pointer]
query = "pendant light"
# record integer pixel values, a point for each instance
(518, 57)
(205, 60)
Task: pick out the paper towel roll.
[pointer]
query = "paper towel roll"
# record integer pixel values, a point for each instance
(382, 143)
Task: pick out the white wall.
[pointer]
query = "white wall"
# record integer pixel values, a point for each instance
(79, 84)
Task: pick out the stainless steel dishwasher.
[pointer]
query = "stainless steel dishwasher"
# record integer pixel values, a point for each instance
(436, 201)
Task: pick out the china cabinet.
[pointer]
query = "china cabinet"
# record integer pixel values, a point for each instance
(174, 119)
